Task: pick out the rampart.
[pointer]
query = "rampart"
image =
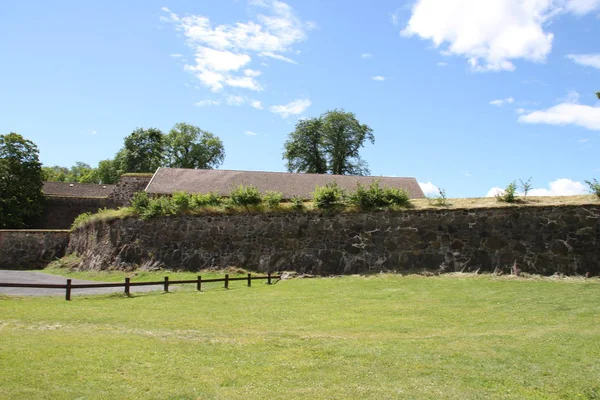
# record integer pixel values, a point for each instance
(544, 240)
(29, 249)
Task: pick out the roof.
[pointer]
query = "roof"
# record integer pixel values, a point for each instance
(171, 180)
(72, 189)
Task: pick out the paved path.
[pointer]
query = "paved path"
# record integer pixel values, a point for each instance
(41, 278)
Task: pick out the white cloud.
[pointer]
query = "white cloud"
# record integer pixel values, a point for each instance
(221, 51)
(567, 113)
(491, 34)
(93, 132)
(250, 133)
(366, 55)
(584, 140)
(587, 60)
(256, 104)
(165, 9)
(494, 191)
(176, 55)
(441, 64)
(581, 7)
(205, 103)
(277, 57)
(378, 78)
(501, 102)
(294, 108)
(521, 111)
(559, 187)
(429, 188)
(394, 17)
(235, 100)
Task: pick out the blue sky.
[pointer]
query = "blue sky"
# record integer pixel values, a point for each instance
(466, 95)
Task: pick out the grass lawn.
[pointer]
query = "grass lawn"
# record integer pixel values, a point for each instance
(377, 337)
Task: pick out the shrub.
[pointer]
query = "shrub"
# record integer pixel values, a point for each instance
(206, 199)
(594, 187)
(368, 198)
(140, 202)
(297, 202)
(159, 206)
(329, 196)
(181, 202)
(396, 197)
(509, 195)
(245, 196)
(272, 198)
(439, 200)
(525, 186)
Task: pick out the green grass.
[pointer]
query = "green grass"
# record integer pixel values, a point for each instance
(378, 337)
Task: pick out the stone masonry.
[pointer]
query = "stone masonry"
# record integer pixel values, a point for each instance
(544, 240)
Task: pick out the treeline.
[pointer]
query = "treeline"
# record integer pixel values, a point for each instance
(143, 151)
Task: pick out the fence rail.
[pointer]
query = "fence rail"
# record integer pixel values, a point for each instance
(69, 286)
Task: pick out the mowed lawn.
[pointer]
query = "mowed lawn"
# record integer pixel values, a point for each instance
(377, 337)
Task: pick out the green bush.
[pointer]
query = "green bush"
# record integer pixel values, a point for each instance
(509, 195)
(181, 202)
(297, 202)
(158, 207)
(206, 199)
(245, 196)
(396, 197)
(594, 187)
(376, 196)
(140, 202)
(329, 196)
(272, 198)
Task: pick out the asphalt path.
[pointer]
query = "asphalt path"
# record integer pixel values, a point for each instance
(41, 278)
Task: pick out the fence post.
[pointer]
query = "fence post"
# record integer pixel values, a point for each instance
(199, 284)
(249, 280)
(127, 286)
(226, 281)
(68, 293)
(269, 278)
(166, 284)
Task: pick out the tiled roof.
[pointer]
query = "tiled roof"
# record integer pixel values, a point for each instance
(171, 180)
(76, 189)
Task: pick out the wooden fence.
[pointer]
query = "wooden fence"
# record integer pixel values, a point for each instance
(128, 284)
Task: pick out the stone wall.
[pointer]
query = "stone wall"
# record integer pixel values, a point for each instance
(545, 240)
(30, 249)
(60, 212)
(127, 186)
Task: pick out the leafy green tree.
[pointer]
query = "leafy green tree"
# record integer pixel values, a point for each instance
(344, 136)
(81, 172)
(328, 144)
(598, 94)
(144, 150)
(188, 146)
(108, 171)
(304, 149)
(21, 182)
(55, 174)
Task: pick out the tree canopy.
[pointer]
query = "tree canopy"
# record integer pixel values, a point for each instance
(188, 146)
(328, 144)
(21, 197)
(144, 150)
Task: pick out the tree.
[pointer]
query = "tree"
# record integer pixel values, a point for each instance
(304, 150)
(144, 150)
(188, 146)
(328, 144)
(344, 136)
(21, 197)
(598, 94)
(55, 174)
